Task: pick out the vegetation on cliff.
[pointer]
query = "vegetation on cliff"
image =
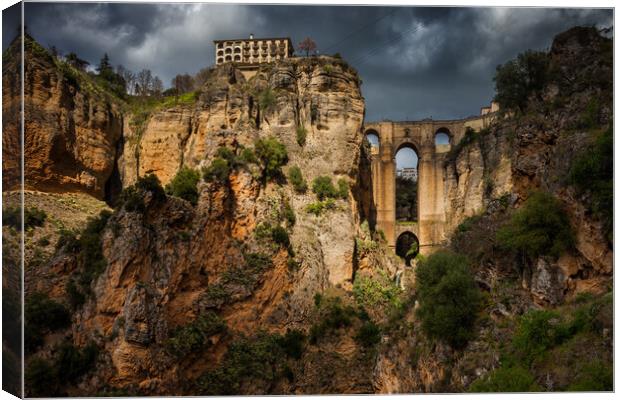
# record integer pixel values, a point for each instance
(539, 227)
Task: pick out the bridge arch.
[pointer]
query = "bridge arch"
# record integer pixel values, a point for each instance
(407, 246)
(443, 139)
(406, 191)
(372, 136)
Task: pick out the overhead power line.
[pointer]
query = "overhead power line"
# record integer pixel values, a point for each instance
(326, 50)
(395, 39)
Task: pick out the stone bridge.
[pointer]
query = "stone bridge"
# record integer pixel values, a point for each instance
(429, 229)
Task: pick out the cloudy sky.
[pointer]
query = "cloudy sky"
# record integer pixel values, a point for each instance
(414, 62)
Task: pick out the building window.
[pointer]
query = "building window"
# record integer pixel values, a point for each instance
(220, 60)
(228, 58)
(237, 58)
(220, 52)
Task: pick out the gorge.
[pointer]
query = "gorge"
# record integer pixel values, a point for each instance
(275, 272)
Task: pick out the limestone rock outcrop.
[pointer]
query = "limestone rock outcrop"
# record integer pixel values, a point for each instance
(535, 151)
(71, 130)
(324, 101)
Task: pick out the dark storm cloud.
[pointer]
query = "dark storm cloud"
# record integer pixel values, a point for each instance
(11, 21)
(415, 62)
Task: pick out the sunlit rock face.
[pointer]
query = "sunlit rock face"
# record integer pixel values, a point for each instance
(71, 130)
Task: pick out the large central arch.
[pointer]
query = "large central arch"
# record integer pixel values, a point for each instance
(406, 157)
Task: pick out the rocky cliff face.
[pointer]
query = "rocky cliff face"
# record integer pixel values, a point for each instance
(325, 101)
(517, 155)
(172, 263)
(71, 126)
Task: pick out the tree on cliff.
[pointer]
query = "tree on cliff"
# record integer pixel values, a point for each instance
(76, 62)
(308, 45)
(147, 84)
(521, 78)
(157, 86)
(144, 81)
(128, 76)
(183, 83)
(105, 68)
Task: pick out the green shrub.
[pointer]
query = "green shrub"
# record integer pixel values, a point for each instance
(132, 200)
(183, 185)
(226, 154)
(318, 299)
(289, 214)
(263, 231)
(586, 318)
(369, 292)
(323, 188)
(47, 378)
(259, 360)
(589, 118)
(538, 331)
(73, 362)
(539, 227)
(217, 294)
(218, 171)
(318, 207)
(468, 223)
(292, 343)
(11, 216)
(41, 311)
(41, 378)
(520, 78)
(194, 337)
(301, 133)
(343, 189)
(449, 298)
(506, 379)
(333, 316)
(247, 157)
(594, 376)
(280, 236)
(272, 155)
(75, 296)
(42, 315)
(33, 217)
(317, 331)
(132, 197)
(592, 172)
(150, 183)
(68, 239)
(297, 180)
(91, 255)
(336, 315)
(292, 264)
(368, 335)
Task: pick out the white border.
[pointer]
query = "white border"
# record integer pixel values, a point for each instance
(462, 3)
